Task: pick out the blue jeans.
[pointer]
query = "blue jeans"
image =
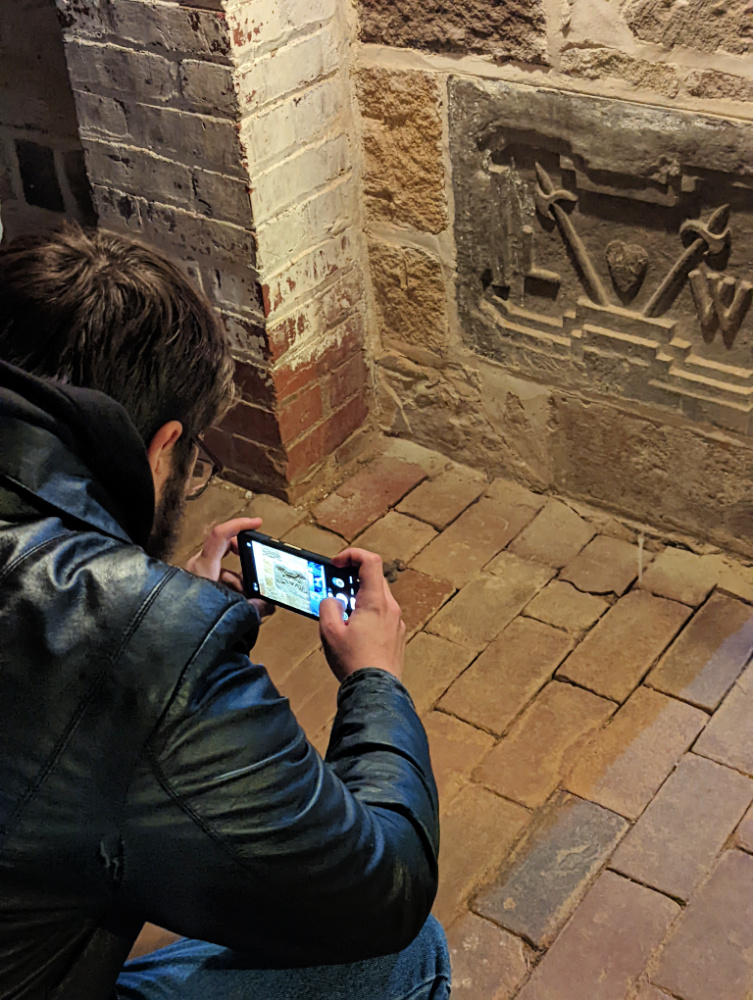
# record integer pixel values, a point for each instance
(193, 970)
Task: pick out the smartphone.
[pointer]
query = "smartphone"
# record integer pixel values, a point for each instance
(293, 578)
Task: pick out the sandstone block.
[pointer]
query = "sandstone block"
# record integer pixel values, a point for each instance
(487, 962)
(680, 576)
(515, 30)
(728, 738)
(709, 655)
(528, 764)
(696, 25)
(561, 605)
(598, 63)
(396, 537)
(625, 764)
(555, 536)
(715, 85)
(404, 177)
(550, 870)
(675, 843)
(605, 566)
(507, 675)
(431, 665)
(616, 655)
(711, 952)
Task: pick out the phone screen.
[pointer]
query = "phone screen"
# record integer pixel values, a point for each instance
(298, 581)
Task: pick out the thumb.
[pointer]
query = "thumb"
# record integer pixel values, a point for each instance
(331, 622)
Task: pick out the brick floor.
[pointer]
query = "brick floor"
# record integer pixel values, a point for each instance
(589, 708)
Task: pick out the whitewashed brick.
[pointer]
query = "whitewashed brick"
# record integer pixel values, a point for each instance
(100, 116)
(95, 67)
(193, 139)
(317, 314)
(195, 237)
(246, 337)
(292, 180)
(300, 278)
(222, 197)
(290, 68)
(294, 123)
(258, 26)
(138, 171)
(234, 285)
(172, 28)
(208, 87)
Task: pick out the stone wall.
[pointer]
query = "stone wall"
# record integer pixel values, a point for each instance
(42, 172)
(560, 293)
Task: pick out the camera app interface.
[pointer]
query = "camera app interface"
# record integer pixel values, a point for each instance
(301, 583)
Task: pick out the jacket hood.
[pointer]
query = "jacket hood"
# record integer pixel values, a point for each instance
(78, 451)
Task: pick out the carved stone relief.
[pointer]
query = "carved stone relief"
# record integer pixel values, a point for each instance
(607, 246)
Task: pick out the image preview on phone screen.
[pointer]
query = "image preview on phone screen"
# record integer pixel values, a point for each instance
(298, 582)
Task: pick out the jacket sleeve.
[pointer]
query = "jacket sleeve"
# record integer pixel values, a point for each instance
(238, 833)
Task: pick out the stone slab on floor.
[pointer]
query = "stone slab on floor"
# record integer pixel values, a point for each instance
(728, 738)
(396, 537)
(439, 501)
(431, 665)
(606, 566)
(561, 605)
(554, 537)
(680, 575)
(487, 962)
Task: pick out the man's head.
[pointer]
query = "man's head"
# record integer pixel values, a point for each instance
(108, 313)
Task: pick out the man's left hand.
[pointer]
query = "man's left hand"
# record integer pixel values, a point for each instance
(208, 563)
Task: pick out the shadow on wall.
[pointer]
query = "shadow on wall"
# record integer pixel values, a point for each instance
(42, 171)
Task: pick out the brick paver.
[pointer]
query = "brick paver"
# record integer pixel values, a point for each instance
(284, 640)
(507, 675)
(674, 844)
(625, 764)
(745, 832)
(710, 957)
(529, 762)
(550, 871)
(419, 597)
(431, 665)
(709, 655)
(728, 738)
(487, 962)
(555, 536)
(439, 501)
(681, 576)
(561, 605)
(471, 541)
(479, 612)
(478, 831)
(622, 647)
(606, 566)
(455, 748)
(221, 502)
(606, 946)
(278, 516)
(515, 495)
(314, 539)
(396, 537)
(367, 495)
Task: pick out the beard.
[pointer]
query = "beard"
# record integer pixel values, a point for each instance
(167, 517)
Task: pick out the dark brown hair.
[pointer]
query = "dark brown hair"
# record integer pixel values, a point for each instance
(105, 312)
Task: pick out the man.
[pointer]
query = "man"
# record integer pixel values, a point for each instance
(149, 771)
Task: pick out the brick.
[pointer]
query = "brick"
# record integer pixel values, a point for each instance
(464, 861)
(94, 67)
(346, 380)
(561, 605)
(745, 832)
(455, 748)
(264, 24)
(39, 177)
(287, 183)
(319, 710)
(555, 536)
(193, 139)
(221, 502)
(278, 517)
(439, 501)
(295, 66)
(308, 536)
(396, 536)
(431, 665)
(300, 413)
(199, 32)
(606, 566)
(606, 946)
(310, 676)
(709, 655)
(331, 306)
(252, 422)
(324, 439)
(507, 675)
(100, 116)
(366, 496)
(222, 197)
(728, 738)
(487, 962)
(711, 953)
(208, 88)
(529, 763)
(472, 541)
(420, 597)
(300, 279)
(623, 646)
(485, 606)
(680, 576)
(551, 869)
(625, 764)
(284, 641)
(675, 843)
(512, 493)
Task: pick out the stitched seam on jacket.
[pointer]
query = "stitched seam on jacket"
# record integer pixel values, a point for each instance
(21, 559)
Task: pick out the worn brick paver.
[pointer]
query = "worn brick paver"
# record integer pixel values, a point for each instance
(625, 764)
(431, 665)
(507, 675)
(561, 605)
(487, 962)
(284, 640)
(479, 612)
(606, 946)
(555, 536)
(622, 647)
(709, 655)
(529, 762)
(515, 495)
(278, 516)
(728, 738)
(745, 832)
(221, 502)
(314, 539)
(681, 576)
(366, 496)
(551, 869)
(419, 597)
(478, 831)
(455, 748)
(674, 844)
(471, 541)
(439, 501)
(396, 537)
(606, 566)
(710, 956)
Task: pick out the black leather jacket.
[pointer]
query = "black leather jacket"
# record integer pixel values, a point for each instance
(148, 769)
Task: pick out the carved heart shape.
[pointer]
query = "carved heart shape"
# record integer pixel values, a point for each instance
(628, 264)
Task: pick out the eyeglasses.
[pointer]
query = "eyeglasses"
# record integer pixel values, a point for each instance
(205, 468)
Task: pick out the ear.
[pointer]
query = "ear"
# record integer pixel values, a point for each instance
(160, 453)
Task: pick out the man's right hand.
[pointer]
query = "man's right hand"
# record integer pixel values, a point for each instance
(374, 635)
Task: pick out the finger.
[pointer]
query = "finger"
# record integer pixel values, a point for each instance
(331, 622)
(264, 608)
(219, 539)
(232, 580)
(370, 575)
